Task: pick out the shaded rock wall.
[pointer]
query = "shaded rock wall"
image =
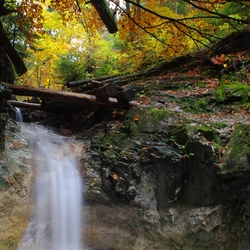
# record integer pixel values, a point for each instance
(155, 181)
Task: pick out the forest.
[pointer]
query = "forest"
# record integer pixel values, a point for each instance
(50, 43)
(147, 101)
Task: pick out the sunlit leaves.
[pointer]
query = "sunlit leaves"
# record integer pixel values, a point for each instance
(30, 11)
(149, 32)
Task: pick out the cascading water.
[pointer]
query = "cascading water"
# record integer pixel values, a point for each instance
(18, 115)
(56, 222)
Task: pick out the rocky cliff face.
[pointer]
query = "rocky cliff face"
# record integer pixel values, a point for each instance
(158, 181)
(15, 176)
(15, 186)
(153, 180)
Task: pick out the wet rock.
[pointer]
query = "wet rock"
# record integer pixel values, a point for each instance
(160, 185)
(237, 155)
(15, 184)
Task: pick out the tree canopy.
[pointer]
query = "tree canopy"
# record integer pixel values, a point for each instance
(74, 33)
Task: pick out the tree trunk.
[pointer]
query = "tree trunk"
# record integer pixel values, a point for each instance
(125, 95)
(84, 99)
(104, 91)
(13, 55)
(106, 14)
(27, 105)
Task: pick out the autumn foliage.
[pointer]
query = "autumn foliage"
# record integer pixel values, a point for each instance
(74, 44)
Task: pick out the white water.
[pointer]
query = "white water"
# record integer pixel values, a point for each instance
(18, 115)
(56, 222)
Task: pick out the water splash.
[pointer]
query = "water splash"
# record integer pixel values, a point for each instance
(56, 222)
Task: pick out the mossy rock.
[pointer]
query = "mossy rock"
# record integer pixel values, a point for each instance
(152, 120)
(232, 91)
(237, 156)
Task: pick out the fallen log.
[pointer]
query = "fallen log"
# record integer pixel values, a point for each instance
(125, 95)
(103, 91)
(91, 85)
(27, 105)
(53, 107)
(70, 97)
(82, 82)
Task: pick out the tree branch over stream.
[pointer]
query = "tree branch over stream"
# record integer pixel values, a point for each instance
(181, 26)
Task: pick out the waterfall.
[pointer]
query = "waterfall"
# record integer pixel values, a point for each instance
(56, 222)
(18, 115)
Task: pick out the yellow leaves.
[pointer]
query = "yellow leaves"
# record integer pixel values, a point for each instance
(93, 182)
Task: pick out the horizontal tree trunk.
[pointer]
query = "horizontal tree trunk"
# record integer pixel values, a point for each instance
(103, 91)
(85, 99)
(125, 95)
(83, 82)
(27, 105)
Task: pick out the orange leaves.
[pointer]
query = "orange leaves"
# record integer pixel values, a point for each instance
(31, 12)
(221, 160)
(222, 152)
(16, 144)
(10, 180)
(115, 177)
(144, 100)
(219, 60)
(136, 118)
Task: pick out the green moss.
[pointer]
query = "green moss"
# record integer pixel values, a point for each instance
(230, 89)
(218, 125)
(156, 114)
(204, 128)
(9, 243)
(237, 155)
(194, 105)
(114, 138)
(201, 84)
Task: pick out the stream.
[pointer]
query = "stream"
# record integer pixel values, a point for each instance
(56, 220)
